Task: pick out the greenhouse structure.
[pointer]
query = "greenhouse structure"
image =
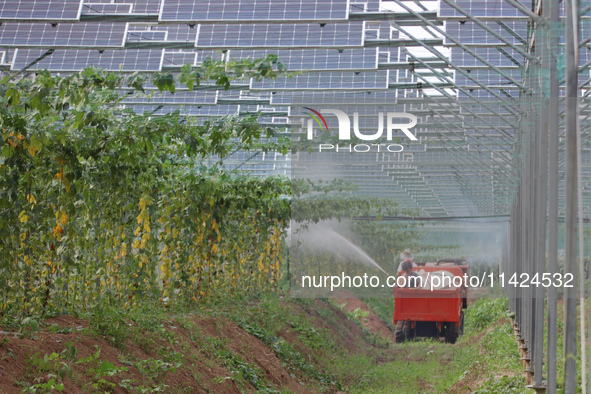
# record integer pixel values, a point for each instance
(481, 107)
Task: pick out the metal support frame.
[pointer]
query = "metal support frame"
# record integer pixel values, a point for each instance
(570, 243)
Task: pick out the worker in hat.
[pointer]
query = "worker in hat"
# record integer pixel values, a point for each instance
(412, 278)
(406, 255)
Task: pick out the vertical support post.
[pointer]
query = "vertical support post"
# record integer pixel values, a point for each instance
(570, 241)
(542, 183)
(540, 178)
(550, 12)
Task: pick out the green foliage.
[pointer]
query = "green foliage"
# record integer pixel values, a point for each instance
(101, 203)
(45, 363)
(108, 322)
(155, 369)
(383, 308)
(155, 388)
(359, 314)
(48, 369)
(285, 352)
(241, 370)
(483, 312)
(46, 387)
(503, 385)
(70, 351)
(90, 359)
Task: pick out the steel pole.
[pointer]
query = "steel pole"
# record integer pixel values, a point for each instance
(570, 241)
(550, 12)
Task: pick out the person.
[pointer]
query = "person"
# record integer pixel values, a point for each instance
(404, 329)
(406, 255)
(412, 278)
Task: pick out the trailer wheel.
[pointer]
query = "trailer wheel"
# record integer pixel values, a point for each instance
(403, 332)
(452, 332)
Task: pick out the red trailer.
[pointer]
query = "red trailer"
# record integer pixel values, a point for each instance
(434, 313)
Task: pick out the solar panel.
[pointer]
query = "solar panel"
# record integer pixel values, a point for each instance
(177, 59)
(480, 8)
(487, 77)
(202, 55)
(178, 32)
(335, 97)
(470, 33)
(244, 96)
(146, 35)
(254, 109)
(40, 10)
(143, 6)
(205, 111)
(78, 35)
(364, 6)
(317, 59)
(492, 55)
(280, 36)
(326, 81)
(107, 8)
(181, 97)
(253, 10)
(76, 60)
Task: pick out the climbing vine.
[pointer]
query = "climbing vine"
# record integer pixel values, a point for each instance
(98, 202)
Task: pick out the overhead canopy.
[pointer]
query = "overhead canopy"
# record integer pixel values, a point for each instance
(467, 69)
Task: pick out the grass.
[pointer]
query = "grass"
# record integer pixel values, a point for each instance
(317, 359)
(487, 354)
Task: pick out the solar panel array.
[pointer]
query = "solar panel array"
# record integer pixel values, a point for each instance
(76, 60)
(317, 59)
(46, 10)
(253, 10)
(479, 8)
(74, 35)
(289, 35)
(107, 8)
(363, 56)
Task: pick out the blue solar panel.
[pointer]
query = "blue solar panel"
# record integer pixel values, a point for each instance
(179, 98)
(76, 60)
(483, 8)
(106, 8)
(253, 10)
(142, 6)
(146, 35)
(326, 81)
(281, 36)
(317, 59)
(364, 5)
(178, 32)
(205, 111)
(40, 10)
(470, 33)
(335, 97)
(461, 58)
(77, 35)
(177, 58)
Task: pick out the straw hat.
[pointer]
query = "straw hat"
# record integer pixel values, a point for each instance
(407, 254)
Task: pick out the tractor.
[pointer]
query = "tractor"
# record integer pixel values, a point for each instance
(422, 312)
